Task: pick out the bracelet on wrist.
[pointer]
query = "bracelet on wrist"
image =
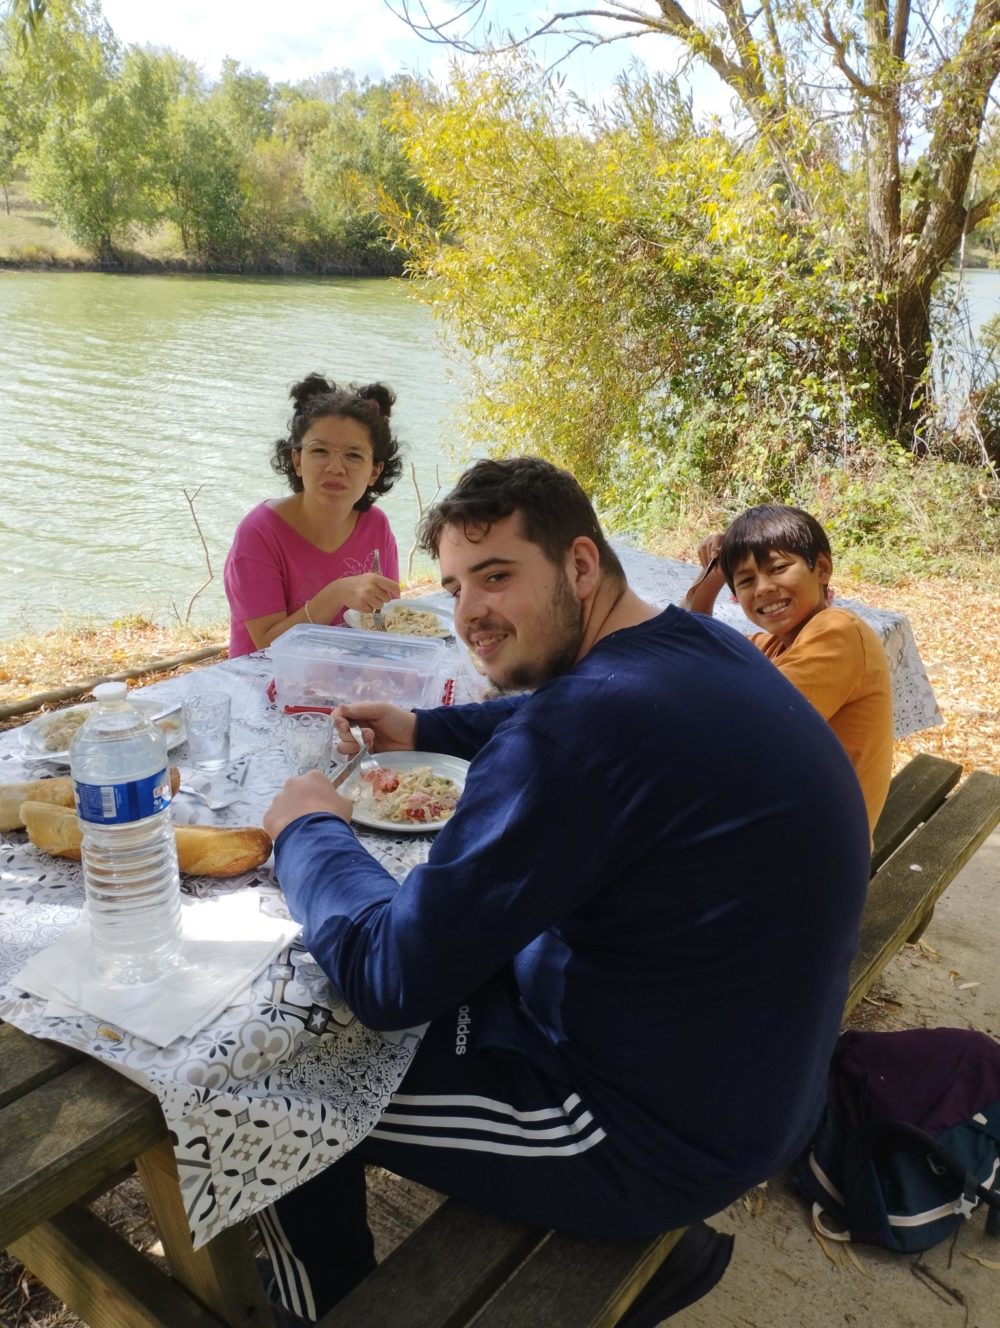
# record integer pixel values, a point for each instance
(305, 610)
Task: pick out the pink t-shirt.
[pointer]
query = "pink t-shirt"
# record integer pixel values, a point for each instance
(271, 568)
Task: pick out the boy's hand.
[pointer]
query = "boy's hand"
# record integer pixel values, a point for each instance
(702, 595)
(709, 549)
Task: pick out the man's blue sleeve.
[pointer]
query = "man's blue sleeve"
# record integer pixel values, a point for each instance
(462, 730)
(528, 842)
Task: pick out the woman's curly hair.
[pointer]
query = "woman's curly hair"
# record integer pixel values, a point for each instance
(316, 398)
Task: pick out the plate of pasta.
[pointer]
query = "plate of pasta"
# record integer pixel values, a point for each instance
(406, 617)
(48, 736)
(407, 792)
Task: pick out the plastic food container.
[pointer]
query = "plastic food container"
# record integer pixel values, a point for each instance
(329, 666)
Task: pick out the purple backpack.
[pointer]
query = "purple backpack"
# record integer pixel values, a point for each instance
(909, 1144)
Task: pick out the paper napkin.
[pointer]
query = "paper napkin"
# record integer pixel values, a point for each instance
(227, 942)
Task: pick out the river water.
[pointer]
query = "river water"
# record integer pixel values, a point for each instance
(118, 392)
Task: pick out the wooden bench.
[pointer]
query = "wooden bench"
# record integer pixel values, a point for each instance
(463, 1264)
(70, 1125)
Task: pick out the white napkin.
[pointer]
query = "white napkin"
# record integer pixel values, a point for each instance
(226, 943)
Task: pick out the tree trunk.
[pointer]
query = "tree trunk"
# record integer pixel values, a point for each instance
(900, 345)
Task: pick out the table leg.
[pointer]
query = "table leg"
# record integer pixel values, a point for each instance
(222, 1274)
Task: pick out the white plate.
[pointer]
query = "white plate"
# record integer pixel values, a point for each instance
(33, 733)
(364, 620)
(452, 767)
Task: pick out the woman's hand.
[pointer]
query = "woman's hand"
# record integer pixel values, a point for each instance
(365, 593)
(385, 728)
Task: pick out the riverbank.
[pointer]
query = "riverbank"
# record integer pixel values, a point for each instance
(31, 240)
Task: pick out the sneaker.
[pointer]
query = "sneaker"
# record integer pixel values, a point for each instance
(689, 1272)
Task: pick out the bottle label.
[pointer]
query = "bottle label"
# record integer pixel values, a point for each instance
(117, 804)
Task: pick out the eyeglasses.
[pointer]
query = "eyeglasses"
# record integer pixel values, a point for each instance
(319, 454)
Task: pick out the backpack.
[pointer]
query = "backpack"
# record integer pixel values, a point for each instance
(909, 1144)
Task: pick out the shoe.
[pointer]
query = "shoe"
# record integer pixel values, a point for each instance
(689, 1272)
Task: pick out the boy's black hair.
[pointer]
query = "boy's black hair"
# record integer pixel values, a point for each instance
(553, 508)
(768, 529)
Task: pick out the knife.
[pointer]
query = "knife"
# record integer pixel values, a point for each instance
(346, 770)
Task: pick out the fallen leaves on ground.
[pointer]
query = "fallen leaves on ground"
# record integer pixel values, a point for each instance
(956, 628)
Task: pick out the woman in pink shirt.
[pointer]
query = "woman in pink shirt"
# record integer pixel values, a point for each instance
(310, 556)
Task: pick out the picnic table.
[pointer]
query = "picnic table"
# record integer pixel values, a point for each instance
(278, 1086)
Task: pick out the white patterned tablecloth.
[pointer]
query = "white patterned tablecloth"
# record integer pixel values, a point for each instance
(278, 1086)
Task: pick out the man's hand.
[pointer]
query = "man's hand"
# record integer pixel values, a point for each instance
(386, 728)
(303, 794)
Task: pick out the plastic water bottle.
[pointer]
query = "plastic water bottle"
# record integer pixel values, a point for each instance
(118, 761)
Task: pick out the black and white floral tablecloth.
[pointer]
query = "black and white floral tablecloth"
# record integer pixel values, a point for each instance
(279, 1085)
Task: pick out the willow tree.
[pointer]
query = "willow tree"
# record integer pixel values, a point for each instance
(631, 299)
(891, 95)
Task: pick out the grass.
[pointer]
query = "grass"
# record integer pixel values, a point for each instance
(30, 235)
(76, 653)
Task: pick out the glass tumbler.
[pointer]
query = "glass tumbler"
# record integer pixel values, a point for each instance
(307, 740)
(207, 721)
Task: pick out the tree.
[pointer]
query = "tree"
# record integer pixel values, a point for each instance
(631, 298)
(201, 169)
(98, 165)
(357, 165)
(885, 99)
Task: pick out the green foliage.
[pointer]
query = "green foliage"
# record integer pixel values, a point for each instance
(201, 171)
(631, 291)
(246, 173)
(641, 304)
(97, 163)
(356, 166)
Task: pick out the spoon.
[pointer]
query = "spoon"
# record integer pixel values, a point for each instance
(200, 786)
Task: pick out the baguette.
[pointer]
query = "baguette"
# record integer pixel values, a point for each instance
(202, 850)
(57, 791)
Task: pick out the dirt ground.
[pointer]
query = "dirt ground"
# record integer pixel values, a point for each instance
(781, 1276)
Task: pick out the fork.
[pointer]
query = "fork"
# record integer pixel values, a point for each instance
(200, 786)
(368, 761)
(377, 619)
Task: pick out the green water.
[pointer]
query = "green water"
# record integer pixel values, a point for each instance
(117, 393)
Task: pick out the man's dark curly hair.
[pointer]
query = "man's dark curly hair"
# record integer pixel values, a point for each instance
(553, 508)
(317, 399)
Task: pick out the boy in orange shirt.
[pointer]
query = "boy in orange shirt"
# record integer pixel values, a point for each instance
(778, 563)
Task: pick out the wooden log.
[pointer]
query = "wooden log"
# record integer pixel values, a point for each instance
(73, 690)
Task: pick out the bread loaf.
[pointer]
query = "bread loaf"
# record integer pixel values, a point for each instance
(202, 850)
(210, 850)
(58, 791)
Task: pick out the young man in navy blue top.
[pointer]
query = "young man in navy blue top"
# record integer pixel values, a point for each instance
(631, 941)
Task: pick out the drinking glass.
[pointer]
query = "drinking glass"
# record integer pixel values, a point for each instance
(307, 740)
(206, 720)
